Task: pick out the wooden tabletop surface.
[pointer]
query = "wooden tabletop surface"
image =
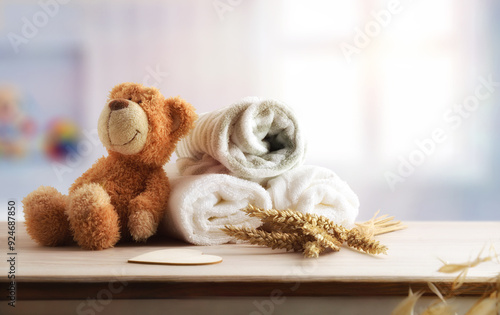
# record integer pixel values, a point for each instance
(246, 270)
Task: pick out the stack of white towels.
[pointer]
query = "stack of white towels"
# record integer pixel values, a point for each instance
(251, 152)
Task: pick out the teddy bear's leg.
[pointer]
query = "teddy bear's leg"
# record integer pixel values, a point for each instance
(46, 221)
(92, 218)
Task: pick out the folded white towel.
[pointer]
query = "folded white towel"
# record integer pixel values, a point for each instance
(313, 189)
(200, 205)
(253, 139)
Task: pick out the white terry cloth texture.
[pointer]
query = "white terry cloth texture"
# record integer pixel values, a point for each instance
(317, 190)
(200, 205)
(254, 139)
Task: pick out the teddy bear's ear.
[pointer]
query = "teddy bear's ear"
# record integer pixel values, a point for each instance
(183, 116)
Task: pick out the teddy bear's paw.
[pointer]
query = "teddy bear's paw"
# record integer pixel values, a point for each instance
(142, 225)
(46, 221)
(93, 220)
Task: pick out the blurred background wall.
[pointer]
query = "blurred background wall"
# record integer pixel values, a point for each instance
(400, 98)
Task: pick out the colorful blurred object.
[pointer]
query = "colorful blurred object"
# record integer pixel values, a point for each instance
(61, 138)
(16, 128)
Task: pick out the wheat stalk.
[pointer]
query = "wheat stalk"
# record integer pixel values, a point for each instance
(358, 241)
(322, 238)
(275, 240)
(379, 225)
(310, 233)
(312, 250)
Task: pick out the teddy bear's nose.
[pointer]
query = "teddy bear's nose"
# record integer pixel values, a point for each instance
(118, 104)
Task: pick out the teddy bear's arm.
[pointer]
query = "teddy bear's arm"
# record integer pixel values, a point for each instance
(92, 175)
(146, 209)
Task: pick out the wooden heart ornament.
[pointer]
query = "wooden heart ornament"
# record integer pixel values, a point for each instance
(176, 256)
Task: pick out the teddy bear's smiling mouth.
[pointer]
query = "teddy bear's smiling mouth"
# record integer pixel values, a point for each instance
(133, 138)
(123, 129)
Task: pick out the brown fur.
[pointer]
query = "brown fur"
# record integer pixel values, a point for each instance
(120, 196)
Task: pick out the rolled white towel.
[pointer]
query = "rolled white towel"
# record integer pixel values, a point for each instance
(253, 139)
(200, 205)
(318, 190)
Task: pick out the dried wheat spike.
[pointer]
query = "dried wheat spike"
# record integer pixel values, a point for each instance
(370, 246)
(312, 249)
(271, 226)
(294, 220)
(290, 219)
(307, 232)
(338, 231)
(275, 240)
(407, 305)
(280, 218)
(353, 237)
(322, 237)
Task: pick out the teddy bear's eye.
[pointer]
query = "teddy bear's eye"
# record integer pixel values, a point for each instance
(129, 98)
(139, 101)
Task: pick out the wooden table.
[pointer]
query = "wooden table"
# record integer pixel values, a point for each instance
(412, 261)
(70, 273)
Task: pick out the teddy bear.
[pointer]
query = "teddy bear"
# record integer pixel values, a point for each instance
(123, 195)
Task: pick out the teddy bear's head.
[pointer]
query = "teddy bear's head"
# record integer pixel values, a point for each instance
(139, 123)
